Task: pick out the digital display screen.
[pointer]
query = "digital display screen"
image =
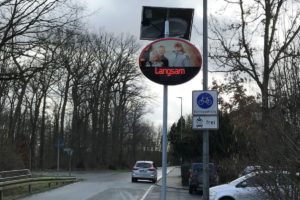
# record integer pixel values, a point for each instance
(170, 61)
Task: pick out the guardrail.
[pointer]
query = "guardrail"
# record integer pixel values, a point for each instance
(14, 174)
(28, 182)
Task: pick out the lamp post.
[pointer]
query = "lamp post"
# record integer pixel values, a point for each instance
(205, 153)
(180, 128)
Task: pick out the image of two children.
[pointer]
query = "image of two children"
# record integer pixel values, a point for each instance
(159, 58)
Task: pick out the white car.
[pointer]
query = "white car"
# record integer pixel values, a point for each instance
(243, 188)
(144, 170)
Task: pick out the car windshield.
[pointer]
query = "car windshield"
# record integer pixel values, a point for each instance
(259, 178)
(250, 169)
(240, 179)
(143, 165)
(199, 167)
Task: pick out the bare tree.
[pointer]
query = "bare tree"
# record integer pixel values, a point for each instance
(91, 85)
(253, 43)
(23, 24)
(278, 153)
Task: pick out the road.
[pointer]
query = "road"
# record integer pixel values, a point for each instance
(115, 186)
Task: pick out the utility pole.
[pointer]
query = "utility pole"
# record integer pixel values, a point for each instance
(163, 194)
(205, 83)
(58, 149)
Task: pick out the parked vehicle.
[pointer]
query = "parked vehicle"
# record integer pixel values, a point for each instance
(258, 185)
(196, 177)
(144, 170)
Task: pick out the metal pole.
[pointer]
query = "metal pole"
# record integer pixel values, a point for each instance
(70, 163)
(205, 46)
(58, 148)
(181, 119)
(205, 83)
(30, 157)
(163, 194)
(164, 149)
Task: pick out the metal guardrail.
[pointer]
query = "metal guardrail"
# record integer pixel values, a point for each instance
(28, 182)
(14, 174)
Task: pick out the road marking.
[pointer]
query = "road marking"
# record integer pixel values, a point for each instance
(158, 178)
(150, 188)
(145, 195)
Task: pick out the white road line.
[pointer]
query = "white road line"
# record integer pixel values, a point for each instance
(145, 195)
(150, 188)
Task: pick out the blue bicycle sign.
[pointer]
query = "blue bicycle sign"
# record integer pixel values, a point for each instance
(205, 100)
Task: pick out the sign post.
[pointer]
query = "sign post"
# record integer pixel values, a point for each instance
(205, 153)
(205, 117)
(168, 61)
(69, 151)
(58, 145)
(165, 131)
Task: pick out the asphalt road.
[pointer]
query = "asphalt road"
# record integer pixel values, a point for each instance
(116, 186)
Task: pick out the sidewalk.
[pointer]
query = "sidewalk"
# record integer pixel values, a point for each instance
(174, 179)
(175, 190)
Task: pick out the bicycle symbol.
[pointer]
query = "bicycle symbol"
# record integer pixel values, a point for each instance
(205, 100)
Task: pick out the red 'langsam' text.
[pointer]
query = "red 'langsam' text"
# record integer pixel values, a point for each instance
(168, 71)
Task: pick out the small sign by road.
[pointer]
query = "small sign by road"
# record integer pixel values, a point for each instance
(205, 102)
(205, 122)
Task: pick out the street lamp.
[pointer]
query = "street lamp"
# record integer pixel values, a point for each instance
(180, 128)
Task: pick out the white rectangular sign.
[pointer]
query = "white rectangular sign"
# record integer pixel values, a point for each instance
(205, 122)
(205, 102)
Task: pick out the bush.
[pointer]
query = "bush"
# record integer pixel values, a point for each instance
(185, 174)
(10, 160)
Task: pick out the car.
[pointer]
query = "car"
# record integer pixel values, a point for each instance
(144, 170)
(243, 187)
(196, 176)
(258, 185)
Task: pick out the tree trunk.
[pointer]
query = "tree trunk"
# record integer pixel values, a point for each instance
(42, 133)
(63, 111)
(34, 121)
(15, 121)
(75, 137)
(105, 125)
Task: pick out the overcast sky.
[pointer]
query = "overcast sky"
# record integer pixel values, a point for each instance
(124, 16)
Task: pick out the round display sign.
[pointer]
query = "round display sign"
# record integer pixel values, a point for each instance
(170, 61)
